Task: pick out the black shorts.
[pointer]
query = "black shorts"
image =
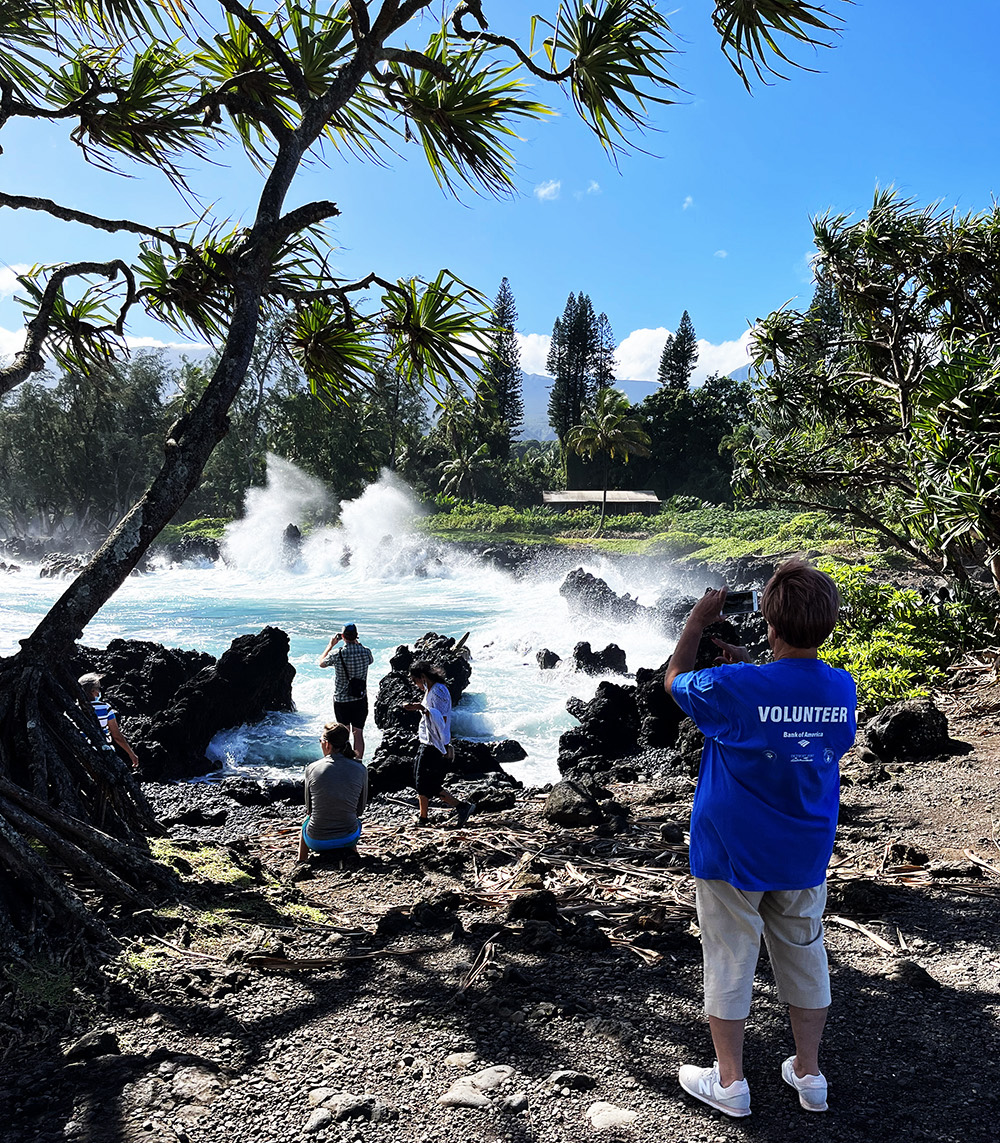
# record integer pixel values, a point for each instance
(429, 770)
(352, 713)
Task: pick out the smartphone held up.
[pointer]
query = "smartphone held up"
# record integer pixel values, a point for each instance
(741, 602)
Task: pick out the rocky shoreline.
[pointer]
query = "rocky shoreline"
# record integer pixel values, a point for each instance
(532, 976)
(516, 980)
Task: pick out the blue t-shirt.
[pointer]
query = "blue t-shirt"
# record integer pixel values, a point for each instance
(765, 808)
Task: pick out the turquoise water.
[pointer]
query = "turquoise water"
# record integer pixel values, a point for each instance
(396, 586)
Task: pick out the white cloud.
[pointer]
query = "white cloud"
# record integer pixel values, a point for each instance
(639, 355)
(548, 191)
(594, 187)
(8, 278)
(11, 342)
(726, 357)
(721, 254)
(534, 350)
(806, 268)
(689, 201)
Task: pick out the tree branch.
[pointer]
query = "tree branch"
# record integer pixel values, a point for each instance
(303, 217)
(29, 360)
(292, 73)
(360, 22)
(418, 61)
(238, 104)
(113, 225)
(504, 42)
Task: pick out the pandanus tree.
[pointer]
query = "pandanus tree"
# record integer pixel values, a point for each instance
(170, 87)
(608, 432)
(879, 402)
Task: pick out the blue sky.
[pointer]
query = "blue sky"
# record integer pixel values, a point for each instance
(715, 221)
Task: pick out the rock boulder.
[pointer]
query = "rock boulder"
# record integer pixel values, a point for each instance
(253, 677)
(914, 728)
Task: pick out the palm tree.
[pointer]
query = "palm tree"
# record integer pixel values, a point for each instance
(608, 431)
(459, 473)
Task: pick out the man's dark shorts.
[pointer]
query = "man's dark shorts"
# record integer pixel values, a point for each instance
(353, 713)
(429, 771)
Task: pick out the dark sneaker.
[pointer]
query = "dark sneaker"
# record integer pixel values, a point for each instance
(463, 813)
(811, 1089)
(421, 821)
(703, 1084)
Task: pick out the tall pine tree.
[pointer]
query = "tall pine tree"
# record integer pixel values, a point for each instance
(679, 357)
(604, 355)
(572, 363)
(501, 381)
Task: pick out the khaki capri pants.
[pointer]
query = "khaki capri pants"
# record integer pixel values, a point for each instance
(732, 922)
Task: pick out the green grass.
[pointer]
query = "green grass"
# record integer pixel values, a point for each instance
(209, 528)
(44, 988)
(702, 533)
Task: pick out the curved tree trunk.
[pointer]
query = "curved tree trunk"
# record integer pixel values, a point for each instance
(73, 819)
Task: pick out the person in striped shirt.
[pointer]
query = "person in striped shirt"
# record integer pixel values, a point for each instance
(106, 716)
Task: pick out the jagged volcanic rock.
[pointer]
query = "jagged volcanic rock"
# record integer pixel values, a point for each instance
(251, 678)
(391, 768)
(911, 729)
(610, 661)
(588, 593)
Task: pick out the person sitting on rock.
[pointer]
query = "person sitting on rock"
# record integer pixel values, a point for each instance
(763, 822)
(336, 794)
(106, 716)
(434, 734)
(350, 664)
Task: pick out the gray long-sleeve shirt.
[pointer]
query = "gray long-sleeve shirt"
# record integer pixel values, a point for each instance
(336, 790)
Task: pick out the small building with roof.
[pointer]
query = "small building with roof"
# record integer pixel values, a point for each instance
(618, 500)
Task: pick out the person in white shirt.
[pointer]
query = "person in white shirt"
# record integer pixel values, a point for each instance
(434, 733)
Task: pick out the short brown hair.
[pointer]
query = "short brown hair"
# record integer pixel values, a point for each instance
(801, 603)
(338, 735)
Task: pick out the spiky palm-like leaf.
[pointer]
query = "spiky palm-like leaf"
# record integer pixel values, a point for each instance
(338, 355)
(436, 329)
(617, 51)
(464, 122)
(82, 332)
(751, 31)
(192, 290)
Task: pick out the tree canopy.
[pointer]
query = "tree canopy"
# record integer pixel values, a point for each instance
(679, 357)
(608, 432)
(880, 400)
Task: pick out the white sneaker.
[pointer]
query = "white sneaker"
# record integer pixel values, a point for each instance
(811, 1089)
(703, 1084)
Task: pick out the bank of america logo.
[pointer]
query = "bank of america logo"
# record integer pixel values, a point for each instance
(803, 742)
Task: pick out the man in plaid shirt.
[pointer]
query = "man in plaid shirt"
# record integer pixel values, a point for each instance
(350, 662)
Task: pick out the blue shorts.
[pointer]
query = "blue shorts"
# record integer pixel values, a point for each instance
(334, 843)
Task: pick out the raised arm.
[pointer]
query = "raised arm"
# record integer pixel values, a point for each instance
(707, 610)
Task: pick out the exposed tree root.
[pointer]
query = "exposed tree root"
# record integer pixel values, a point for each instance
(73, 819)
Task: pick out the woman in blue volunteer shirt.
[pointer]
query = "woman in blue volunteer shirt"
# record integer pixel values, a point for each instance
(763, 822)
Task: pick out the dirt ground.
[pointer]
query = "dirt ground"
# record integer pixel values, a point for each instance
(506, 952)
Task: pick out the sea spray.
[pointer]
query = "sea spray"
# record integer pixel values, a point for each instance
(290, 496)
(377, 568)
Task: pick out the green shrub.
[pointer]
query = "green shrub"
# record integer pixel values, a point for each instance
(208, 528)
(892, 640)
(811, 526)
